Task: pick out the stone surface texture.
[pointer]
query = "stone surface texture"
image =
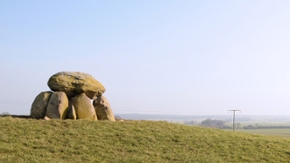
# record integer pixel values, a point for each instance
(73, 95)
(75, 83)
(38, 107)
(103, 109)
(83, 107)
(71, 113)
(57, 107)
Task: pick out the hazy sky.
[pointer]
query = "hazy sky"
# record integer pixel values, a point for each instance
(156, 57)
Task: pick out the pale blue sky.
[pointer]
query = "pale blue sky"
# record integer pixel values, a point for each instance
(157, 57)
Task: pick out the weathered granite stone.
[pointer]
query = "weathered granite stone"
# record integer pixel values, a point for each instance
(57, 107)
(38, 107)
(103, 109)
(75, 83)
(71, 112)
(83, 107)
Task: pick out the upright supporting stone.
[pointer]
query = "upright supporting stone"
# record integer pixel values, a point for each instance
(57, 107)
(103, 109)
(38, 107)
(71, 112)
(83, 107)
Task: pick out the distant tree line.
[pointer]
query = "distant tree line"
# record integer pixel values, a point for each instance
(214, 123)
(190, 122)
(5, 114)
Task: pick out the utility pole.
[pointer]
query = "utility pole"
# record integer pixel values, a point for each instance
(234, 117)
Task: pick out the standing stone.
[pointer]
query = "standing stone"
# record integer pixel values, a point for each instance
(57, 107)
(71, 112)
(38, 107)
(75, 83)
(83, 107)
(103, 109)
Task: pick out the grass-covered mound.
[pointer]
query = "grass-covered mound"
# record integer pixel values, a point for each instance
(28, 140)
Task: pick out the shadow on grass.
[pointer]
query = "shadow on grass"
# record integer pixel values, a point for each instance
(17, 116)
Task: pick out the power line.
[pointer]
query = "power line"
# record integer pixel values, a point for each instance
(234, 117)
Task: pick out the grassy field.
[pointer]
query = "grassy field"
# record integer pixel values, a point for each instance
(263, 123)
(28, 140)
(273, 132)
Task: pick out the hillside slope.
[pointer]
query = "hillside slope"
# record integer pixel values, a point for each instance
(27, 140)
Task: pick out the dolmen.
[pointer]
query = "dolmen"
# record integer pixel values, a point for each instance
(73, 95)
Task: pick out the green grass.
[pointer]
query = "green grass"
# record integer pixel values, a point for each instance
(28, 140)
(273, 132)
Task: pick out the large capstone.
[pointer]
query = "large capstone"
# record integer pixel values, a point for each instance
(75, 83)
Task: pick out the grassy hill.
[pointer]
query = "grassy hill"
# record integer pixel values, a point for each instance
(28, 140)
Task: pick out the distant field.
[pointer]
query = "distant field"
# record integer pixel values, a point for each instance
(264, 123)
(273, 132)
